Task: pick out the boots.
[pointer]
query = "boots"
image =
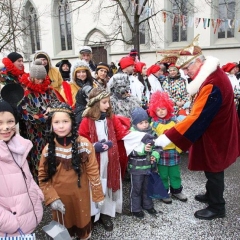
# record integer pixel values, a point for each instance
(180, 196)
(106, 221)
(177, 193)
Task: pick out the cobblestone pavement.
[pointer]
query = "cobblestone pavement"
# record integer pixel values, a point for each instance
(176, 221)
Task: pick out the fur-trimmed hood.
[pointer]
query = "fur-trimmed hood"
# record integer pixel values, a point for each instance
(75, 65)
(45, 54)
(209, 66)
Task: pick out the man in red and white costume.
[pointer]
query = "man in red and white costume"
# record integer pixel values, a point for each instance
(211, 131)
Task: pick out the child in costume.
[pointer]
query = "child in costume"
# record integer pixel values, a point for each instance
(104, 130)
(21, 198)
(140, 163)
(161, 109)
(34, 109)
(67, 167)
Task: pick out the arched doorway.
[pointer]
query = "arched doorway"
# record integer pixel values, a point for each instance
(99, 54)
(97, 40)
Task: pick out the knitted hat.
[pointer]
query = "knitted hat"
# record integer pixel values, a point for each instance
(228, 67)
(79, 65)
(85, 49)
(14, 56)
(153, 69)
(138, 67)
(138, 115)
(38, 71)
(102, 65)
(126, 62)
(6, 107)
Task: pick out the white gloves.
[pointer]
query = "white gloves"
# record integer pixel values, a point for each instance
(58, 206)
(99, 204)
(162, 141)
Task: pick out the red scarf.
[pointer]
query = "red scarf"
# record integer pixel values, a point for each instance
(68, 93)
(39, 88)
(11, 68)
(113, 170)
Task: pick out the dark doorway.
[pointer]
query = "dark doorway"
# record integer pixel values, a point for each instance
(99, 54)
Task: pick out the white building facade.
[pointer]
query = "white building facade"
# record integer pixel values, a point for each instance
(61, 27)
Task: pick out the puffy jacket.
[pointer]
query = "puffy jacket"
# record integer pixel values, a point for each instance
(20, 197)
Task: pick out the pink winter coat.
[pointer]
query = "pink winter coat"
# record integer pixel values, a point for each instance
(20, 197)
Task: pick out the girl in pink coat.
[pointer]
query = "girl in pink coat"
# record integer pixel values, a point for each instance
(20, 197)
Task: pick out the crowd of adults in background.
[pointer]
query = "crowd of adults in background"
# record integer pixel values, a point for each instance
(81, 115)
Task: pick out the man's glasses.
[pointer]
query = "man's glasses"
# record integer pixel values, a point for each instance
(187, 68)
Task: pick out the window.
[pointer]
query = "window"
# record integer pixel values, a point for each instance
(142, 26)
(226, 12)
(179, 24)
(65, 25)
(33, 29)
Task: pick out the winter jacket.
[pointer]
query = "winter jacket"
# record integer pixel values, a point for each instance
(20, 197)
(139, 160)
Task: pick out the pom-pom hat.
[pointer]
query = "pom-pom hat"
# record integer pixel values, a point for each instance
(37, 70)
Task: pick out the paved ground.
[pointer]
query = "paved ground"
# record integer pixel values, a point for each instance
(176, 222)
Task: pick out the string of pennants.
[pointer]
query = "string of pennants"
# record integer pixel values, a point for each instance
(190, 21)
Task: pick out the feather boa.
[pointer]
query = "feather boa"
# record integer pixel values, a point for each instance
(39, 88)
(10, 68)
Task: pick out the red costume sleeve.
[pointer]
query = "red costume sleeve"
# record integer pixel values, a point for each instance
(83, 129)
(121, 126)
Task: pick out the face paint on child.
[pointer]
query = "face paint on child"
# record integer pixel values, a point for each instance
(7, 126)
(61, 124)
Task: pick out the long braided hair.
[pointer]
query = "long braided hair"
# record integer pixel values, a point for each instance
(51, 163)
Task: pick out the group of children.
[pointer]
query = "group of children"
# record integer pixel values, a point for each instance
(75, 162)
